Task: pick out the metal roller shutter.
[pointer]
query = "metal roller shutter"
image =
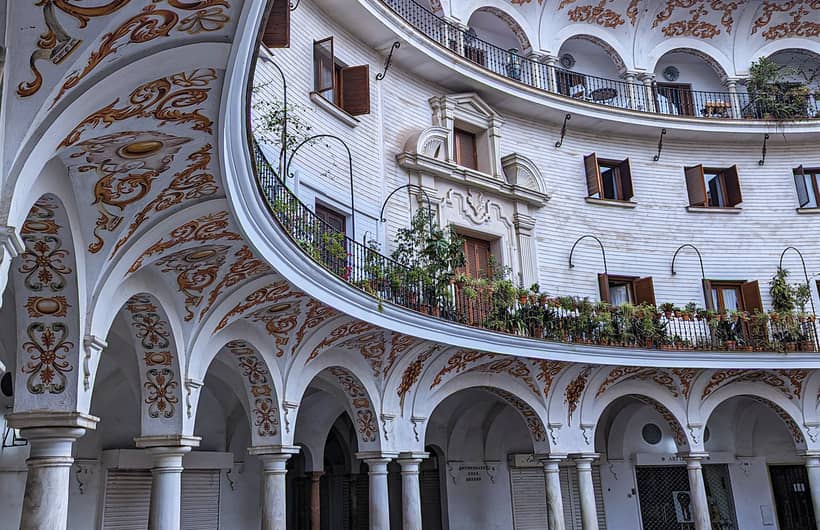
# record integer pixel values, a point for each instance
(200, 500)
(529, 498)
(572, 497)
(127, 496)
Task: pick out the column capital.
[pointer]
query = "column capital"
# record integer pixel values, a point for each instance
(584, 457)
(694, 456)
(171, 441)
(285, 451)
(376, 456)
(646, 77)
(410, 456)
(812, 458)
(49, 419)
(551, 457)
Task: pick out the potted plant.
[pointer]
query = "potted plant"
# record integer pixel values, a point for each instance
(773, 95)
(667, 309)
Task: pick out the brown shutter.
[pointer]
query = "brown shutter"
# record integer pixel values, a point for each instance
(644, 291)
(356, 90)
(800, 185)
(595, 185)
(465, 143)
(277, 27)
(324, 78)
(625, 169)
(707, 295)
(603, 286)
(733, 187)
(695, 185)
(751, 297)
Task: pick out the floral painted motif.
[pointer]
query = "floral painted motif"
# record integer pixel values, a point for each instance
(597, 14)
(338, 334)
(364, 416)
(197, 268)
(256, 378)
(413, 371)
(796, 27)
(696, 25)
(787, 382)
(264, 414)
(458, 362)
(47, 367)
(160, 386)
(574, 391)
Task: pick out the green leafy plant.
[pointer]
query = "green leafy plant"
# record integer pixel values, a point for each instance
(772, 95)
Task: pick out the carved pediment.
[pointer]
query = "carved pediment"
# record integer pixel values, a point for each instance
(430, 142)
(522, 172)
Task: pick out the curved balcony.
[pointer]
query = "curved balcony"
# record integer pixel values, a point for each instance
(499, 307)
(635, 96)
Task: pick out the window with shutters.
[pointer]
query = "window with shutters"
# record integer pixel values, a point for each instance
(619, 290)
(347, 87)
(713, 187)
(477, 253)
(333, 223)
(277, 26)
(807, 184)
(608, 179)
(465, 146)
(735, 295)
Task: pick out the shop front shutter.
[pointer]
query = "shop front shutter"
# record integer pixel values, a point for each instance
(529, 498)
(594, 182)
(430, 485)
(127, 499)
(572, 497)
(356, 90)
(695, 185)
(200, 499)
(277, 27)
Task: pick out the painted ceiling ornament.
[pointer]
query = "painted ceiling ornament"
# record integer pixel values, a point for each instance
(47, 365)
(210, 227)
(796, 27)
(364, 417)
(695, 26)
(399, 344)
(197, 268)
(597, 14)
(413, 371)
(195, 182)
(534, 423)
(256, 378)
(371, 346)
(458, 362)
(514, 367)
(161, 387)
(632, 11)
(163, 99)
(548, 371)
(340, 333)
(56, 44)
(126, 164)
(204, 20)
(245, 266)
(276, 294)
(787, 382)
(279, 320)
(574, 391)
(660, 376)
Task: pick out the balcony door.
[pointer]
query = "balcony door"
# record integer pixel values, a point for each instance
(674, 98)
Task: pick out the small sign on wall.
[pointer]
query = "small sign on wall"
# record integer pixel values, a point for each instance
(766, 515)
(472, 472)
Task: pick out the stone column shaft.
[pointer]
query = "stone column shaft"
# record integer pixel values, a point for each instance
(274, 471)
(316, 500)
(555, 501)
(589, 511)
(813, 471)
(410, 490)
(165, 512)
(379, 502)
(697, 490)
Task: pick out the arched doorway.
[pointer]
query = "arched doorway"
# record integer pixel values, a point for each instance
(690, 83)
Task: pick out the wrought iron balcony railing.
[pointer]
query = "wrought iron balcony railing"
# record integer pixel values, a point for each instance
(532, 315)
(652, 98)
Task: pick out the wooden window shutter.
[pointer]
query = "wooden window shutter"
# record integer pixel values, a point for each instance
(750, 291)
(800, 185)
(277, 27)
(465, 147)
(695, 185)
(733, 195)
(324, 78)
(625, 170)
(595, 184)
(603, 286)
(644, 290)
(707, 295)
(355, 90)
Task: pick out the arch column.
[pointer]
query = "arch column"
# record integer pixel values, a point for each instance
(813, 471)
(697, 489)
(633, 89)
(165, 511)
(51, 437)
(379, 499)
(316, 500)
(648, 81)
(410, 490)
(274, 501)
(552, 480)
(589, 511)
(731, 86)
(552, 81)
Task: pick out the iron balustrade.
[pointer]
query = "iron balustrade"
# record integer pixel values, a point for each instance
(655, 98)
(534, 316)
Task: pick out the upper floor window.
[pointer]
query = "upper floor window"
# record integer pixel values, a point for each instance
(465, 147)
(608, 179)
(477, 254)
(807, 182)
(619, 290)
(277, 26)
(347, 87)
(735, 295)
(713, 188)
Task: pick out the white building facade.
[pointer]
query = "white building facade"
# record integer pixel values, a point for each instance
(206, 320)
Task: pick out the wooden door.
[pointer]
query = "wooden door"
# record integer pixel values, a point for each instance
(679, 95)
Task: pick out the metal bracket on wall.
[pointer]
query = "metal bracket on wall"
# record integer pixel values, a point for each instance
(763, 153)
(560, 142)
(396, 45)
(294, 6)
(660, 145)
